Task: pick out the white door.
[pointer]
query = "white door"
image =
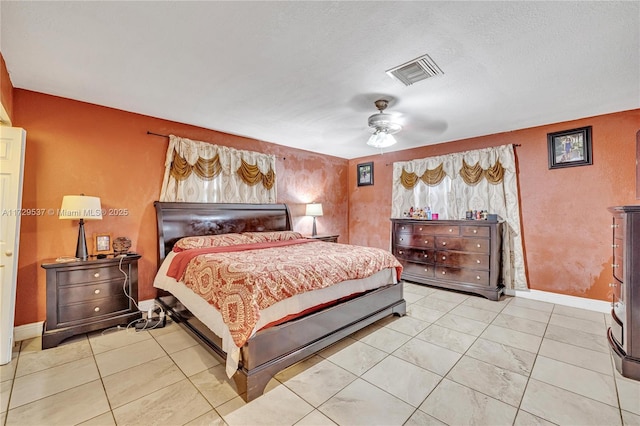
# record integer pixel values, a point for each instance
(12, 143)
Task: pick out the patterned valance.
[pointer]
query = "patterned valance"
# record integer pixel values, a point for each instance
(430, 177)
(474, 174)
(251, 175)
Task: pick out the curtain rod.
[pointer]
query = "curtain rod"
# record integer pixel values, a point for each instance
(167, 136)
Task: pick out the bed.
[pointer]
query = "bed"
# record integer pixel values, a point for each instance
(270, 348)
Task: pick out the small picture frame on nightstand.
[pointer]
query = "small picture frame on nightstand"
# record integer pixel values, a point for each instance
(102, 244)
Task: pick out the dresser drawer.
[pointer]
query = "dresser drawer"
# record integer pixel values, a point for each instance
(452, 230)
(85, 293)
(426, 271)
(414, 254)
(463, 275)
(475, 231)
(463, 260)
(93, 309)
(80, 276)
(415, 240)
(477, 245)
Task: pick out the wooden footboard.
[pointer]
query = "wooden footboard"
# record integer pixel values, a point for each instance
(276, 348)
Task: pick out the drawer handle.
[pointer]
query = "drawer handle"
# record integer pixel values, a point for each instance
(450, 230)
(402, 227)
(615, 225)
(420, 229)
(444, 257)
(96, 275)
(426, 255)
(444, 243)
(475, 231)
(97, 309)
(477, 277)
(615, 245)
(478, 245)
(615, 265)
(612, 285)
(426, 269)
(426, 241)
(401, 239)
(400, 251)
(96, 291)
(444, 272)
(478, 261)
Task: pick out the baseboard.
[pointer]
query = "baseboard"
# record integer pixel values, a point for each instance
(28, 331)
(562, 299)
(34, 329)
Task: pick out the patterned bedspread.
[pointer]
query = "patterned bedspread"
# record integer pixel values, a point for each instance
(239, 282)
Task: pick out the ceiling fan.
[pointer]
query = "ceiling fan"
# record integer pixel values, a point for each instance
(383, 126)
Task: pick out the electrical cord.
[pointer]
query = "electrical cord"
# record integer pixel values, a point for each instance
(149, 323)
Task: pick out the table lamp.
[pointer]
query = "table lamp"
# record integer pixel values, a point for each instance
(81, 207)
(315, 210)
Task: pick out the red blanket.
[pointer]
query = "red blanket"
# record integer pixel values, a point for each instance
(239, 281)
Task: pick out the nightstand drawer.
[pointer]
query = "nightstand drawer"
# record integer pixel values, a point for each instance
(85, 293)
(95, 308)
(88, 275)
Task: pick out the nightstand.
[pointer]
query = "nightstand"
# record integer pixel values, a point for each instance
(88, 295)
(327, 238)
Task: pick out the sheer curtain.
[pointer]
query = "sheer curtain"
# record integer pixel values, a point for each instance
(483, 179)
(202, 172)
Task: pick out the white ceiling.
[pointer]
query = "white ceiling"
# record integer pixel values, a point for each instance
(305, 74)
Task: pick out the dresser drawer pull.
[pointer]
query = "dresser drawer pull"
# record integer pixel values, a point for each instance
(615, 225)
(426, 269)
(478, 245)
(426, 255)
(615, 265)
(419, 229)
(615, 245)
(444, 243)
(475, 231)
(444, 272)
(400, 252)
(477, 277)
(450, 230)
(612, 285)
(401, 239)
(96, 291)
(96, 309)
(444, 257)
(426, 241)
(402, 227)
(96, 275)
(477, 260)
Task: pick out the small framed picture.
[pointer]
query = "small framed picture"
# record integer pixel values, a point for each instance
(102, 244)
(570, 148)
(365, 174)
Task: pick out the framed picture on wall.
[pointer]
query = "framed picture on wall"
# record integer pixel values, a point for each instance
(102, 244)
(365, 174)
(570, 148)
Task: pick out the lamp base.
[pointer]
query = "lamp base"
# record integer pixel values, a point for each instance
(81, 247)
(314, 232)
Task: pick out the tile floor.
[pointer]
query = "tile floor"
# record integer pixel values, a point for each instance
(454, 359)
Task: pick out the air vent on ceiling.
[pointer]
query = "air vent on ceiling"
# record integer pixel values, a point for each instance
(416, 70)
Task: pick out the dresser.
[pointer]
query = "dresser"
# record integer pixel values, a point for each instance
(89, 295)
(624, 333)
(461, 255)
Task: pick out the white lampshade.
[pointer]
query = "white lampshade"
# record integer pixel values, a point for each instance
(314, 209)
(80, 207)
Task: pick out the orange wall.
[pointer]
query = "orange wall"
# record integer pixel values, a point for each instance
(74, 147)
(566, 226)
(6, 88)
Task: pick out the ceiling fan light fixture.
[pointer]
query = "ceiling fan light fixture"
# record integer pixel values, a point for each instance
(381, 139)
(383, 126)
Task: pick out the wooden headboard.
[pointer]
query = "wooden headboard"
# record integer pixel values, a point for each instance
(177, 220)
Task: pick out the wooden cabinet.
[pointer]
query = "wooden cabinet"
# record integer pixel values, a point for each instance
(456, 254)
(624, 333)
(89, 295)
(328, 238)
